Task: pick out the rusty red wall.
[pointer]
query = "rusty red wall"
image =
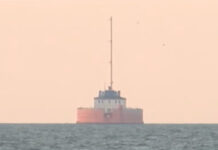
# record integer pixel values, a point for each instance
(91, 115)
(132, 116)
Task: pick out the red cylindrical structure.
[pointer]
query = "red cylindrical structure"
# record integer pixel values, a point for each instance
(120, 115)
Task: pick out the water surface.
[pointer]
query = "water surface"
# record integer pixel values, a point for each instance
(108, 137)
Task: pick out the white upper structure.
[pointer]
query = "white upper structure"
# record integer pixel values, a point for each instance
(109, 99)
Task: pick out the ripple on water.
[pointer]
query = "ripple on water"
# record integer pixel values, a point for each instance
(108, 137)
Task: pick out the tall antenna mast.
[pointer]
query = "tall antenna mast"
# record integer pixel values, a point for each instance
(111, 59)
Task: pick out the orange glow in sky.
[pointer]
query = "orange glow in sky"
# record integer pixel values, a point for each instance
(54, 57)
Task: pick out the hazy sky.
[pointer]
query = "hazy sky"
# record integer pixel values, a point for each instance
(54, 57)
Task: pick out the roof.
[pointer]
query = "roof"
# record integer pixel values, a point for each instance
(109, 94)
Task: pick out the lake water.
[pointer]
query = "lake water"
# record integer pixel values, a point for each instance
(108, 137)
